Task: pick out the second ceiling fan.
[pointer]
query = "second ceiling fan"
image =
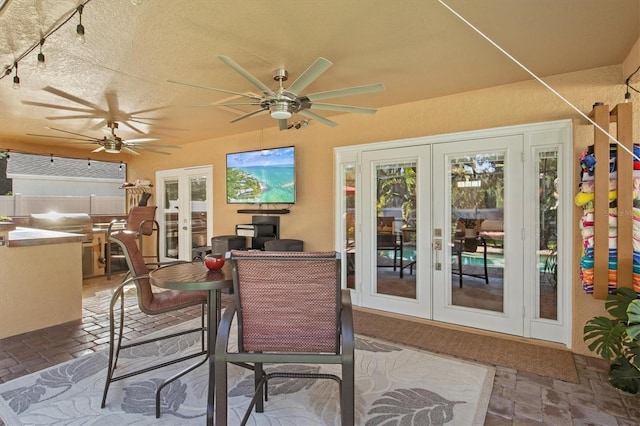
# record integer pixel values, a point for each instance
(113, 144)
(282, 102)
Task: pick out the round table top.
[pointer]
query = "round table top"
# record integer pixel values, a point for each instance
(191, 276)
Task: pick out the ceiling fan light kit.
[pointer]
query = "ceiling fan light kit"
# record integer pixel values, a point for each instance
(280, 110)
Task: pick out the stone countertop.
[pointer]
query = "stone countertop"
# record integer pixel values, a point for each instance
(23, 237)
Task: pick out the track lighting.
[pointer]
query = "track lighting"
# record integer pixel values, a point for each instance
(120, 167)
(80, 27)
(43, 37)
(41, 63)
(88, 163)
(16, 79)
(51, 158)
(8, 155)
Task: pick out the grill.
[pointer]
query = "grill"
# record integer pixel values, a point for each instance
(77, 223)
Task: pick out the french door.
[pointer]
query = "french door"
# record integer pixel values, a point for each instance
(397, 231)
(469, 229)
(478, 273)
(185, 204)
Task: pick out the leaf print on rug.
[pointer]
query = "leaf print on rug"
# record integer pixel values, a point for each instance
(411, 407)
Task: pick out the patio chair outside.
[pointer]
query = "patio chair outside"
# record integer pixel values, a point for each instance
(290, 309)
(151, 303)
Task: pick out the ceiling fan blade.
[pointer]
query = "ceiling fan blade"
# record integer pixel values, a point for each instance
(227, 104)
(246, 74)
(67, 138)
(282, 123)
(112, 105)
(132, 127)
(342, 108)
(72, 98)
(319, 118)
(349, 91)
(309, 75)
(141, 140)
(248, 115)
(72, 133)
(71, 117)
(152, 145)
(144, 111)
(99, 125)
(152, 150)
(98, 149)
(54, 106)
(130, 151)
(214, 89)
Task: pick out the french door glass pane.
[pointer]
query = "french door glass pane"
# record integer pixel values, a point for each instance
(547, 285)
(477, 240)
(396, 228)
(198, 192)
(171, 218)
(349, 194)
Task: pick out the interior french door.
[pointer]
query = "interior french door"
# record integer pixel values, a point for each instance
(184, 206)
(478, 233)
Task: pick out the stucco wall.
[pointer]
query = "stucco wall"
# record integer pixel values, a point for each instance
(311, 218)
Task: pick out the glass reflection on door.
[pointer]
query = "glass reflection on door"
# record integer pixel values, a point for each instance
(547, 286)
(198, 193)
(396, 229)
(477, 240)
(349, 247)
(171, 224)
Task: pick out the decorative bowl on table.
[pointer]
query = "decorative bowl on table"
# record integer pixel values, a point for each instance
(214, 261)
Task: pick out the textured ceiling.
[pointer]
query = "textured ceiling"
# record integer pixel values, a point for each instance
(416, 48)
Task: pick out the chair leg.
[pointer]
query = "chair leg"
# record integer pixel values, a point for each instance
(258, 378)
(113, 358)
(220, 391)
(347, 399)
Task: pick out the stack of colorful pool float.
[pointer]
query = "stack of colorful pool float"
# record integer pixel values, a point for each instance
(584, 198)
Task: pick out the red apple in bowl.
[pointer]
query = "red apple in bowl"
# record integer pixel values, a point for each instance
(214, 261)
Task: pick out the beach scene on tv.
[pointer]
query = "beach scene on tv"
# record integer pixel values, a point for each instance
(264, 176)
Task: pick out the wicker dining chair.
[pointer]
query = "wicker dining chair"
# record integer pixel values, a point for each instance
(150, 302)
(290, 309)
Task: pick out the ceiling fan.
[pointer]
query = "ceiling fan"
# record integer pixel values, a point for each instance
(282, 102)
(113, 144)
(102, 116)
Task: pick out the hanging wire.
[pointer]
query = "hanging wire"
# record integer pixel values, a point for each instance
(611, 137)
(42, 39)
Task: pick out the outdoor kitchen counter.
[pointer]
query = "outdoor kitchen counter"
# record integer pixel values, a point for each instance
(40, 279)
(22, 237)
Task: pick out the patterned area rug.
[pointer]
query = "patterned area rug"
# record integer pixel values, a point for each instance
(394, 386)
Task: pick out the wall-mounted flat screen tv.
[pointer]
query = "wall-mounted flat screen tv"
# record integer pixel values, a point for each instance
(265, 176)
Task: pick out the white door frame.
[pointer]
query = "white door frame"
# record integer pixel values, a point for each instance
(558, 133)
(183, 207)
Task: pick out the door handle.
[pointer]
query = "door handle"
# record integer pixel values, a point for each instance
(437, 247)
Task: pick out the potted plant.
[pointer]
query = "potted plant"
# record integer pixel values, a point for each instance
(617, 339)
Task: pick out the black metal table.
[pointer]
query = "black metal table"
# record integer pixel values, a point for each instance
(195, 276)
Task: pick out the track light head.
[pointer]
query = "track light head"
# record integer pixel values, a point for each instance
(80, 27)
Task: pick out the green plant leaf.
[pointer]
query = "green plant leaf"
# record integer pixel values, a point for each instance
(632, 351)
(606, 337)
(618, 302)
(624, 376)
(633, 312)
